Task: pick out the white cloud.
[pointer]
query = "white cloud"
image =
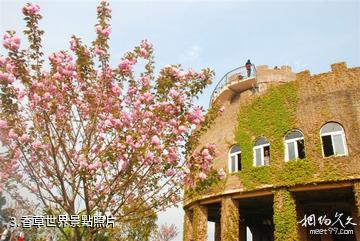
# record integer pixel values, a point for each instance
(191, 54)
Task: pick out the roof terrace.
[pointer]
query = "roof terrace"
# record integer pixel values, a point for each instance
(234, 81)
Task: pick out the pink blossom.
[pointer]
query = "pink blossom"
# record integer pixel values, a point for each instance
(129, 139)
(10, 67)
(15, 166)
(147, 97)
(208, 158)
(145, 80)
(94, 166)
(222, 109)
(221, 174)
(181, 99)
(205, 152)
(107, 123)
(99, 186)
(211, 146)
(24, 138)
(103, 31)
(196, 116)
(175, 131)
(116, 123)
(202, 74)
(47, 96)
(6, 77)
(175, 71)
(144, 53)
(116, 89)
(122, 165)
(99, 51)
(31, 9)
(155, 140)
(170, 172)
(173, 93)
(182, 129)
(145, 44)
(36, 144)
(125, 66)
(149, 157)
(3, 124)
(12, 134)
(202, 176)
(83, 164)
(73, 44)
(2, 61)
(11, 42)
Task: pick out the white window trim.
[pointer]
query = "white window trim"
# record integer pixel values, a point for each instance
(295, 145)
(236, 161)
(332, 134)
(261, 147)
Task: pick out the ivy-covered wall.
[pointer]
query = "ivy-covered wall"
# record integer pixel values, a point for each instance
(272, 115)
(230, 219)
(305, 104)
(285, 221)
(200, 220)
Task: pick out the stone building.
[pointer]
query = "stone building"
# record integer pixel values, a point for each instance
(290, 144)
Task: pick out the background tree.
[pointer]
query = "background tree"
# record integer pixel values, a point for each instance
(166, 232)
(86, 138)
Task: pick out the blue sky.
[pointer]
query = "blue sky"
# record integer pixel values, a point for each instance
(221, 35)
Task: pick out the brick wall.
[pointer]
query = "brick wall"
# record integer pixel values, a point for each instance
(331, 96)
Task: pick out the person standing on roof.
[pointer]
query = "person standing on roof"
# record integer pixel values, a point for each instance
(248, 67)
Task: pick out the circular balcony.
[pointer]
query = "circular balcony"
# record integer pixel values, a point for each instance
(234, 81)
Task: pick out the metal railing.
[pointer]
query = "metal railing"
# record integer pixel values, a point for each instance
(242, 74)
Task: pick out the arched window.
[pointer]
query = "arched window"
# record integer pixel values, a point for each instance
(261, 152)
(333, 140)
(234, 159)
(294, 145)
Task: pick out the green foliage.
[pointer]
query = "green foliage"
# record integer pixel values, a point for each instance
(255, 176)
(285, 219)
(212, 185)
(272, 116)
(295, 172)
(139, 230)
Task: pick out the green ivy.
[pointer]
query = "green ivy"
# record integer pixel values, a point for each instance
(285, 219)
(270, 115)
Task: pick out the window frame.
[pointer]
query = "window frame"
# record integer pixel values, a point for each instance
(236, 155)
(332, 134)
(294, 140)
(261, 147)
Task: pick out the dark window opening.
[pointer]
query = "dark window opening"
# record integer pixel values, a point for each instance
(239, 161)
(327, 146)
(301, 149)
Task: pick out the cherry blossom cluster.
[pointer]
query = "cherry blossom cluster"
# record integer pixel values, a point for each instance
(31, 9)
(80, 129)
(11, 41)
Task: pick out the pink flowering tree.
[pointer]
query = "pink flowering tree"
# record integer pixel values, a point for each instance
(87, 138)
(167, 232)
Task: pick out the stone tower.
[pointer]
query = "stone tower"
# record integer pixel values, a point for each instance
(290, 144)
